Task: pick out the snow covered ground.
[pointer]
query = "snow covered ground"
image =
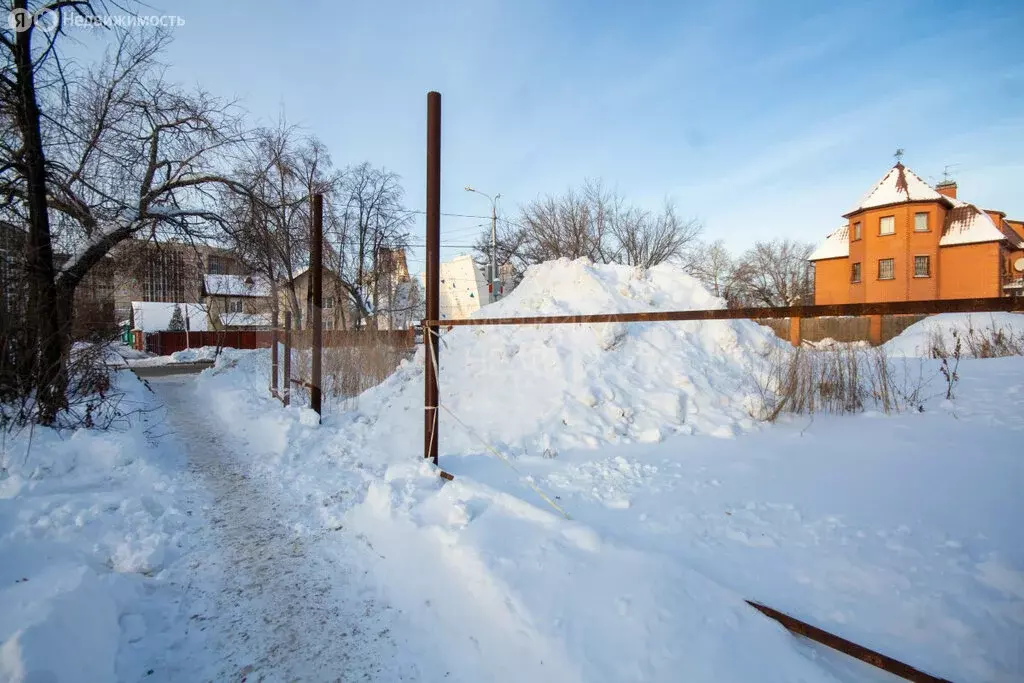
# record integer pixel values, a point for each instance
(898, 532)
(86, 519)
(636, 505)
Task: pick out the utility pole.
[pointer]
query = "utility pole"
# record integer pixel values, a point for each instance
(493, 284)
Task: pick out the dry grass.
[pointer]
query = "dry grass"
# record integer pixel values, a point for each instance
(993, 341)
(839, 380)
(351, 368)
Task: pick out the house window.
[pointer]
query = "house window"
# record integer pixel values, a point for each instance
(163, 276)
(856, 231)
(922, 266)
(921, 222)
(855, 272)
(234, 305)
(885, 269)
(887, 225)
(328, 302)
(215, 266)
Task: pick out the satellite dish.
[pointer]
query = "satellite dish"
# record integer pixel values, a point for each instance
(1018, 265)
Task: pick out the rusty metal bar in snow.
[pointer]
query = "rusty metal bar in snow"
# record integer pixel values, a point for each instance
(754, 313)
(876, 659)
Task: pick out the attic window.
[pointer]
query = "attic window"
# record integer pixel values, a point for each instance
(887, 225)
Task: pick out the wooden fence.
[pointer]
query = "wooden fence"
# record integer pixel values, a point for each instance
(843, 328)
(166, 343)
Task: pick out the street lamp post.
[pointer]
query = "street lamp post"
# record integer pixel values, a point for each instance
(492, 284)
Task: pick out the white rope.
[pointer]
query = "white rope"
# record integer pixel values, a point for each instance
(523, 478)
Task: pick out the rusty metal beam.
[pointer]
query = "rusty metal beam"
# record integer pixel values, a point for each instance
(880, 308)
(430, 331)
(876, 659)
(286, 388)
(316, 264)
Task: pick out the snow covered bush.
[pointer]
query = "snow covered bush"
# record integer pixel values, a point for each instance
(91, 399)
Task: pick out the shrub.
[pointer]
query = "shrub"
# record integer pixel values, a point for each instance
(840, 379)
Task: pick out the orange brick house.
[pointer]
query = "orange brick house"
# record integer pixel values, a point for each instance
(908, 241)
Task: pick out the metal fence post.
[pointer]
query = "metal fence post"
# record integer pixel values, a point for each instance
(273, 353)
(286, 385)
(430, 331)
(316, 265)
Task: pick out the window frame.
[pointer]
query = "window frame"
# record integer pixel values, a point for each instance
(892, 222)
(857, 231)
(892, 273)
(235, 305)
(927, 221)
(928, 265)
(856, 269)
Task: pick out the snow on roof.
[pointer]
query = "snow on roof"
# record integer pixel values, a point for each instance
(155, 316)
(235, 285)
(305, 269)
(836, 245)
(967, 224)
(900, 184)
(245, 319)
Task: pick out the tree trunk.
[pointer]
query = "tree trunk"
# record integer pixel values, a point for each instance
(50, 328)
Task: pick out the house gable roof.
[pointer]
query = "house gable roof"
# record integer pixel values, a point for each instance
(899, 185)
(967, 224)
(836, 245)
(235, 285)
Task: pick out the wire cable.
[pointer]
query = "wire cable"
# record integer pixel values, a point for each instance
(429, 334)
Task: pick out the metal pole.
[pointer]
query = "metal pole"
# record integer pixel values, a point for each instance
(286, 386)
(316, 258)
(274, 322)
(430, 332)
(494, 250)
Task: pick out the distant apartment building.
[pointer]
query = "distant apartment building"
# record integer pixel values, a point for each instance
(908, 241)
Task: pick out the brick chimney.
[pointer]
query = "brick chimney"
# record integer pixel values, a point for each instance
(947, 187)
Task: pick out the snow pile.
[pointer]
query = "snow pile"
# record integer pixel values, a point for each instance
(85, 518)
(541, 389)
(203, 353)
(197, 355)
(918, 339)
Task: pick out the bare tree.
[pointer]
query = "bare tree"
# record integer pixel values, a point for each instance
(775, 273)
(594, 223)
(713, 265)
(114, 152)
(269, 224)
(645, 239)
(371, 221)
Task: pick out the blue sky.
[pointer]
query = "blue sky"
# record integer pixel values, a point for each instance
(760, 119)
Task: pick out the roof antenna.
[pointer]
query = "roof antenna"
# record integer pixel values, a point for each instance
(899, 155)
(946, 176)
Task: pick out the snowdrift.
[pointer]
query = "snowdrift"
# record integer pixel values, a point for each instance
(540, 389)
(86, 517)
(916, 341)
